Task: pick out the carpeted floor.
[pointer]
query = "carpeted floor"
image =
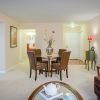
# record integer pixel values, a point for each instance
(16, 84)
(75, 62)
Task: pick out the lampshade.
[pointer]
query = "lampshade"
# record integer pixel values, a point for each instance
(89, 38)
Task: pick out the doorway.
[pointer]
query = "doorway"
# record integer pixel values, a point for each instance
(73, 44)
(27, 36)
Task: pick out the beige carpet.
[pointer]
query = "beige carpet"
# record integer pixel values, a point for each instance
(16, 84)
(75, 62)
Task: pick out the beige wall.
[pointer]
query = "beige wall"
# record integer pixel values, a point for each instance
(59, 37)
(83, 32)
(10, 55)
(2, 47)
(83, 41)
(40, 34)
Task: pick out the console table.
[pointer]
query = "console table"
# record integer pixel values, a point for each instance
(90, 57)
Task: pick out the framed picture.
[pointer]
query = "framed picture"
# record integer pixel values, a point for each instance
(13, 37)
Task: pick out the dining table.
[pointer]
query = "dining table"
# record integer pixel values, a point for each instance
(49, 59)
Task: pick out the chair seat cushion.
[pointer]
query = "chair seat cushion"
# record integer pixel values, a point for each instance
(41, 65)
(56, 66)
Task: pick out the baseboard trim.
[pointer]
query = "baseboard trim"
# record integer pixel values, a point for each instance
(12, 67)
(8, 69)
(74, 59)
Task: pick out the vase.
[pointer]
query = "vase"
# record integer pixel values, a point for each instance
(49, 50)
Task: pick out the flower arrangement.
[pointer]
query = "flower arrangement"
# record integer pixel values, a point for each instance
(49, 38)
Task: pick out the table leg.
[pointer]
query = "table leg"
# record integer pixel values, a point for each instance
(49, 65)
(88, 64)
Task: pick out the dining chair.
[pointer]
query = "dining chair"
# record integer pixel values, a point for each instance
(62, 65)
(58, 58)
(59, 54)
(36, 65)
(61, 51)
(38, 54)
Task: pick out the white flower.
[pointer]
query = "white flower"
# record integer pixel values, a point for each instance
(49, 38)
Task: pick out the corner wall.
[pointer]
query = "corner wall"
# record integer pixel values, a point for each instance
(83, 41)
(9, 55)
(2, 48)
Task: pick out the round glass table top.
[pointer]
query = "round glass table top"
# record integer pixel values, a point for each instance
(65, 92)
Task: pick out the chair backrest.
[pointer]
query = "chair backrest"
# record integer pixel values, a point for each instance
(32, 59)
(38, 54)
(61, 51)
(64, 59)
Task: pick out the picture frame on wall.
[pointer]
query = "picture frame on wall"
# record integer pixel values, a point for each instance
(13, 37)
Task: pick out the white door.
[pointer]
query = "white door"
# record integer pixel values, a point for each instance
(73, 44)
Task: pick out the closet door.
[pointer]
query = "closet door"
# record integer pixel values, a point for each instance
(73, 42)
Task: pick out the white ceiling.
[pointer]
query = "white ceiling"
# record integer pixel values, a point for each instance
(51, 10)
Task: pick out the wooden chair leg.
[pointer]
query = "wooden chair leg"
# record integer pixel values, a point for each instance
(88, 65)
(91, 64)
(60, 75)
(30, 72)
(35, 75)
(66, 73)
(51, 71)
(85, 63)
(45, 72)
(58, 72)
(39, 72)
